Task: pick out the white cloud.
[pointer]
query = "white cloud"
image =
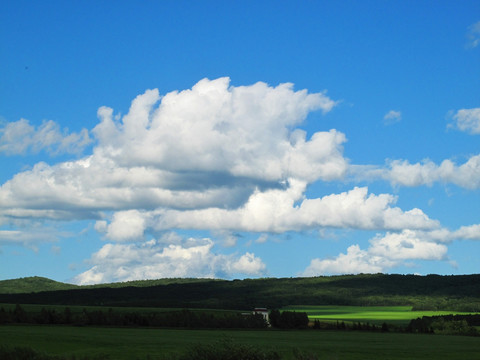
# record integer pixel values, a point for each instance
(216, 157)
(228, 238)
(392, 117)
(154, 259)
(238, 131)
(383, 253)
(262, 239)
(101, 226)
(393, 249)
(466, 175)
(473, 35)
(406, 245)
(247, 264)
(126, 226)
(29, 236)
(471, 232)
(83, 188)
(353, 262)
(276, 211)
(210, 146)
(468, 120)
(403, 173)
(20, 137)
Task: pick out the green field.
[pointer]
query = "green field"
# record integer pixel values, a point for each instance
(396, 315)
(127, 343)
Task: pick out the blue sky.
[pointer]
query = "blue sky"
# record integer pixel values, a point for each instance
(238, 139)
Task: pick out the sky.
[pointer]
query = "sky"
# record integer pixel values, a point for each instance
(246, 139)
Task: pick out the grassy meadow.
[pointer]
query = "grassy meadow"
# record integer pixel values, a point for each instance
(396, 315)
(138, 343)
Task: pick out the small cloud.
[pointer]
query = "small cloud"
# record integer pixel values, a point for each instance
(392, 117)
(262, 239)
(29, 236)
(453, 264)
(56, 250)
(473, 35)
(228, 238)
(101, 226)
(126, 225)
(468, 120)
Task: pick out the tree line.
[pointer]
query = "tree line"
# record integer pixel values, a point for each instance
(171, 319)
(354, 326)
(288, 319)
(176, 319)
(446, 325)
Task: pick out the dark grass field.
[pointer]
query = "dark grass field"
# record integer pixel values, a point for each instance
(78, 309)
(138, 343)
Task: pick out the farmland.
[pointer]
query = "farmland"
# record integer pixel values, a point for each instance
(163, 318)
(128, 343)
(396, 315)
(399, 316)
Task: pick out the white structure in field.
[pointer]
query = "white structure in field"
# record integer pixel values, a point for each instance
(263, 312)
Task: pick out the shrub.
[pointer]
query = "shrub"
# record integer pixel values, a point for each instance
(23, 353)
(228, 350)
(26, 353)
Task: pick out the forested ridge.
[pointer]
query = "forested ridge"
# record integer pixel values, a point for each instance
(39, 284)
(431, 292)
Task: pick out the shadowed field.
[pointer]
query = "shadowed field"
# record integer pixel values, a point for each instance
(128, 343)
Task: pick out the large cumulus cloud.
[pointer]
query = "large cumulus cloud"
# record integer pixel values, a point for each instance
(212, 145)
(242, 132)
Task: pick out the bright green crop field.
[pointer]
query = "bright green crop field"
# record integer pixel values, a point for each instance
(141, 343)
(397, 315)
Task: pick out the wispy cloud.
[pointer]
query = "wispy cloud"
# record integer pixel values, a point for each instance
(30, 235)
(473, 35)
(20, 137)
(468, 120)
(392, 117)
(404, 173)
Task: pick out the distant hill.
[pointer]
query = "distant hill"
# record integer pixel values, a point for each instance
(31, 285)
(432, 292)
(36, 284)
